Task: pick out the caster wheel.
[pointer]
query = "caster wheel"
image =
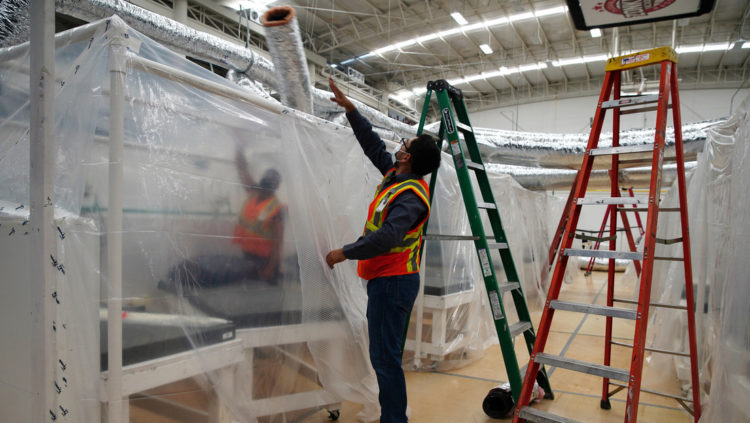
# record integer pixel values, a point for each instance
(498, 403)
(334, 415)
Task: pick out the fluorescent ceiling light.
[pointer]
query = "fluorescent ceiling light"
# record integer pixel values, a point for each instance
(596, 32)
(486, 48)
(247, 4)
(689, 49)
(459, 18)
(716, 47)
(746, 44)
(463, 29)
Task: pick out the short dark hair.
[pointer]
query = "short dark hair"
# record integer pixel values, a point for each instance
(425, 154)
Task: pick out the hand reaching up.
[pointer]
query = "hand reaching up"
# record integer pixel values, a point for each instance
(339, 97)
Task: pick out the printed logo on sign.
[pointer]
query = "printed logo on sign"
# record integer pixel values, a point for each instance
(635, 59)
(448, 121)
(632, 8)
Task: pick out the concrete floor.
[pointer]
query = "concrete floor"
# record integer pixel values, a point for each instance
(456, 395)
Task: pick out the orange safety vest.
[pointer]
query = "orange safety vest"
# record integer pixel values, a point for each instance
(403, 258)
(253, 231)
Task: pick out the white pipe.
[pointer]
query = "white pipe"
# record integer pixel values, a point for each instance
(41, 215)
(117, 69)
(70, 36)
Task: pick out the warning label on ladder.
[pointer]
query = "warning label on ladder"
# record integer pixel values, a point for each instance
(497, 312)
(486, 269)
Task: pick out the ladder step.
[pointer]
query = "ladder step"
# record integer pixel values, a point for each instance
(497, 245)
(625, 255)
(645, 209)
(483, 205)
(678, 307)
(582, 366)
(611, 200)
(534, 415)
(643, 109)
(669, 258)
(621, 149)
(464, 127)
(663, 394)
(439, 237)
(630, 101)
(474, 165)
(601, 310)
(508, 287)
(666, 241)
(646, 161)
(657, 350)
(585, 237)
(518, 328)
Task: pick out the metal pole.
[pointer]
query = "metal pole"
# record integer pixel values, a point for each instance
(41, 214)
(116, 405)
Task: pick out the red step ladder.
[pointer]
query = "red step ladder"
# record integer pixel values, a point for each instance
(626, 228)
(610, 98)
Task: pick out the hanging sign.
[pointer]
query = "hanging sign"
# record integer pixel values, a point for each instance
(589, 14)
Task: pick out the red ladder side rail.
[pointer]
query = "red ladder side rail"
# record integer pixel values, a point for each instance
(567, 239)
(644, 296)
(614, 190)
(689, 297)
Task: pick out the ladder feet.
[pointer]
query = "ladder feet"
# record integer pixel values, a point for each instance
(605, 404)
(549, 395)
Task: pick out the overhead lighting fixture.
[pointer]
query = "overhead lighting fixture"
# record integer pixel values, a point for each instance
(486, 48)
(596, 32)
(746, 44)
(464, 28)
(459, 18)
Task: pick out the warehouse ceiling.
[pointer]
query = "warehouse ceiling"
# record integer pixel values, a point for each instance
(536, 52)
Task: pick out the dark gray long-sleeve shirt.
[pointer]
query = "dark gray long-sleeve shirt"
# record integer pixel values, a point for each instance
(404, 212)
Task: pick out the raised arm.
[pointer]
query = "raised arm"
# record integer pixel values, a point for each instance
(244, 174)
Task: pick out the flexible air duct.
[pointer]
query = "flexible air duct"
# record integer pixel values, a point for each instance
(285, 44)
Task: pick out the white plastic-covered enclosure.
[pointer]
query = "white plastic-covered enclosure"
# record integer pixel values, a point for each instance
(198, 316)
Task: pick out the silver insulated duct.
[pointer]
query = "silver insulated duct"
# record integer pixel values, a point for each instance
(14, 22)
(285, 44)
(174, 35)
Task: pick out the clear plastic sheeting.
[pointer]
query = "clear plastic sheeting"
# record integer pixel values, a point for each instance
(229, 204)
(720, 238)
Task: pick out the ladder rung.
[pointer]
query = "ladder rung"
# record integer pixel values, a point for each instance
(508, 287)
(657, 350)
(497, 245)
(642, 109)
(539, 416)
(582, 366)
(663, 394)
(611, 200)
(483, 205)
(666, 241)
(627, 149)
(646, 161)
(474, 165)
(585, 237)
(630, 101)
(645, 209)
(625, 255)
(669, 258)
(518, 328)
(464, 127)
(678, 307)
(593, 309)
(439, 237)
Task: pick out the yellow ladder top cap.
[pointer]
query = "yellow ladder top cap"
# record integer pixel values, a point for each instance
(641, 58)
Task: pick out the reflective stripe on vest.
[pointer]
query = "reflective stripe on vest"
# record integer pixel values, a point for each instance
(403, 258)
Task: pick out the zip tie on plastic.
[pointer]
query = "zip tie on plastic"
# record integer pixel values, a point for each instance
(25, 222)
(12, 231)
(62, 235)
(58, 388)
(62, 365)
(52, 415)
(54, 326)
(65, 381)
(63, 410)
(21, 206)
(54, 262)
(54, 295)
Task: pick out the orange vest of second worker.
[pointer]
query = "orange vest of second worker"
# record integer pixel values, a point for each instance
(254, 231)
(402, 259)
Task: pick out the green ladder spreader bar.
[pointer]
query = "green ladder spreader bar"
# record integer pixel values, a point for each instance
(449, 130)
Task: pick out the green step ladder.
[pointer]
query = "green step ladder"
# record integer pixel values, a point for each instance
(449, 129)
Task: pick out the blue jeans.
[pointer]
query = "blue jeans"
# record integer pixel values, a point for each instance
(389, 303)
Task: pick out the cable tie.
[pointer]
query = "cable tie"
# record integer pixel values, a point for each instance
(61, 268)
(57, 388)
(54, 262)
(12, 231)
(63, 410)
(62, 235)
(25, 222)
(52, 415)
(54, 295)
(65, 381)
(62, 365)
(19, 207)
